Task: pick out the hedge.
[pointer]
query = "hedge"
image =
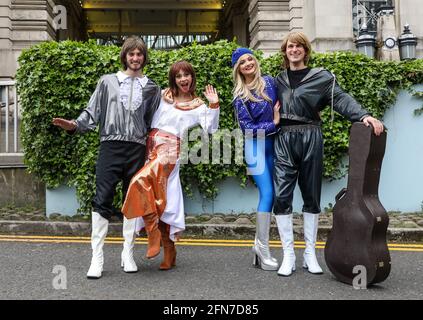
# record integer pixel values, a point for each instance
(56, 79)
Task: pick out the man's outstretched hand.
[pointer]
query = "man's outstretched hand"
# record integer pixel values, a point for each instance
(68, 125)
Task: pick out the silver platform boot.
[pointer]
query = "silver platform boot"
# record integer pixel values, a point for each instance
(262, 256)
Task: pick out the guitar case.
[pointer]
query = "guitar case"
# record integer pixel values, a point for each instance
(360, 222)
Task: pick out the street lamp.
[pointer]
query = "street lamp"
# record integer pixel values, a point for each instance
(366, 42)
(407, 44)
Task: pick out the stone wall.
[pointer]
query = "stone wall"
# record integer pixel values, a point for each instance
(6, 57)
(296, 15)
(269, 22)
(411, 12)
(24, 23)
(20, 189)
(328, 24)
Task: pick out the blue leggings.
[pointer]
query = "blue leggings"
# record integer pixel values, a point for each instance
(259, 159)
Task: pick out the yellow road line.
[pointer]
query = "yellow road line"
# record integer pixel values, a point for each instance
(405, 245)
(212, 241)
(406, 249)
(246, 242)
(184, 242)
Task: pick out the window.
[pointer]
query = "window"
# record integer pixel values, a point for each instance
(366, 11)
(163, 42)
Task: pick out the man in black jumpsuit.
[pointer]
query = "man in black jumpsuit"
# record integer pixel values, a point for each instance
(303, 93)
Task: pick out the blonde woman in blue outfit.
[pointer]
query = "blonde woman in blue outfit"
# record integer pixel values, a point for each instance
(257, 110)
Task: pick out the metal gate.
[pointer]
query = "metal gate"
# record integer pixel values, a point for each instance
(10, 145)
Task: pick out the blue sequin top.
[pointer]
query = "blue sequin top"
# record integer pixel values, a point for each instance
(258, 115)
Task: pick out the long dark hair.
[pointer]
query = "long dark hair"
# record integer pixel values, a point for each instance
(132, 43)
(174, 70)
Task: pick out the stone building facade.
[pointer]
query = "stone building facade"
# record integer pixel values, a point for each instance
(328, 23)
(260, 24)
(24, 23)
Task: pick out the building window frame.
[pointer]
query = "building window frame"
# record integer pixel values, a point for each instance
(366, 12)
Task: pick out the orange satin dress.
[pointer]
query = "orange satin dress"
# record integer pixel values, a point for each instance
(148, 187)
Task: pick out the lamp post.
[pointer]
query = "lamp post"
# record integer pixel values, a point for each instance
(366, 42)
(407, 44)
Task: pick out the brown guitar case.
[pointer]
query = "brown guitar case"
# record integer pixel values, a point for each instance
(360, 222)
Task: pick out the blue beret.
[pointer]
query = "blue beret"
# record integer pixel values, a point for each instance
(238, 53)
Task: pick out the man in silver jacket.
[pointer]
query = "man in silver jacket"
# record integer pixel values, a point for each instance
(123, 105)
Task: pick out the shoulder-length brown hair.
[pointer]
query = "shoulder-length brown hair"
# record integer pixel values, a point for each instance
(132, 43)
(174, 70)
(299, 38)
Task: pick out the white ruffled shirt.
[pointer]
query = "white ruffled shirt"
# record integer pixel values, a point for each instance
(131, 90)
(176, 121)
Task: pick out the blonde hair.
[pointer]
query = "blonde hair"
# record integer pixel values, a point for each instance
(242, 90)
(299, 38)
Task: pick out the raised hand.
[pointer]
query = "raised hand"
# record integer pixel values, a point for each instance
(67, 125)
(168, 96)
(211, 94)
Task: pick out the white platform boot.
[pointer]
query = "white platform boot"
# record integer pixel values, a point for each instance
(98, 234)
(311, 223)
(262, 256)
(128, 263)
(286, 232)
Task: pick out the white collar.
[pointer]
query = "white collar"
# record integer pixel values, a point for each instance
(122, 76)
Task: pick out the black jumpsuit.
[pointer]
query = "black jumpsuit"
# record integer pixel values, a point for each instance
(299, 143)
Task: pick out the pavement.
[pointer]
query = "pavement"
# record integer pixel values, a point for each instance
(214, 262)
(402, 227)
(55, 269)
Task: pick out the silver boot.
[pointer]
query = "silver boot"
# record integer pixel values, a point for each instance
(286, 232)
(262, 256)
(311, 222)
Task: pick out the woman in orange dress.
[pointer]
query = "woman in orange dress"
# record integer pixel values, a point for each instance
(154, 196)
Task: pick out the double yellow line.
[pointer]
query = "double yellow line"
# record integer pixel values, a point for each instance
(187, 242)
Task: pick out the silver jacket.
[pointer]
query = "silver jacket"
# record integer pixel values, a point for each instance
(118, 122)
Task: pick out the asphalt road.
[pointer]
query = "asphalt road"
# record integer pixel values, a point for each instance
(44, 270)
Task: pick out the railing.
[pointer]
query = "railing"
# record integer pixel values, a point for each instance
(10, 147)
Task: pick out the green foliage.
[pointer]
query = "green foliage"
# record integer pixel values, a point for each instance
(418, 94)
(57, 79)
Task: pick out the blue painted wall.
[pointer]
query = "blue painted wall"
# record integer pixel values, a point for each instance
(401, 182)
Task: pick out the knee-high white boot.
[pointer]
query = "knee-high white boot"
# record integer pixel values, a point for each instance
(311, 223)
(262, 256)
(98, 234)
(286, 232)
(128, 262)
